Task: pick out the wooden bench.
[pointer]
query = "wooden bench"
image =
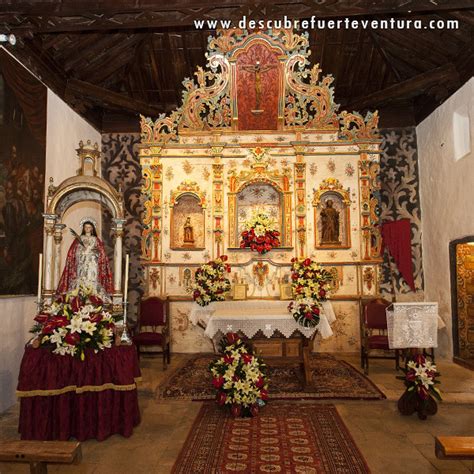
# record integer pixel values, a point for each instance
(39, 453)
(454, 447)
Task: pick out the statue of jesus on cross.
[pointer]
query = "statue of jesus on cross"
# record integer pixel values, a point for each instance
(258, 70)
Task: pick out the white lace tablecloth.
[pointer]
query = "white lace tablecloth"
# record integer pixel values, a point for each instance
(251, 316)
(413, 324)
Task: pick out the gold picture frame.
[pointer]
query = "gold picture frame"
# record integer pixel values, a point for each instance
(286, 293)
(240, 291)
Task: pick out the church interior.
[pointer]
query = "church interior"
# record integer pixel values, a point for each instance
(236, 237)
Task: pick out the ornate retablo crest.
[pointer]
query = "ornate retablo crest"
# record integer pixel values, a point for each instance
(258, 81)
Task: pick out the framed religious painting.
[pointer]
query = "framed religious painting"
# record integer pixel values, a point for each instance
(331, 204)
(22, 168)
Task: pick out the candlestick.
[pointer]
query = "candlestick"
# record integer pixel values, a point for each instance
(40, 280)
(125, 290)
(125, 339)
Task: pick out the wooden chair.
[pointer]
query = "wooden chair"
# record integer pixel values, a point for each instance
(374, 333)
(153, 315)
(39, 453)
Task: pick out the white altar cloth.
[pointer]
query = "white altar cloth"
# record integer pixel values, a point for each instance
(250, 316)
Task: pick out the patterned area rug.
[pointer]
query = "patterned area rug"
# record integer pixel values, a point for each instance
(332, 379)
(286, 437)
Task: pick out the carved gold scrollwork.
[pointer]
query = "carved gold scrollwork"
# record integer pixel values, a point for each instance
(356, 127)
(206, 103)
(188, 187)
(162, 130)
(309, 102)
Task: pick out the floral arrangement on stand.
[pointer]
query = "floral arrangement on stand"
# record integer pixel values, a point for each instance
(311, 285)
(239, 377)
(210, 282)
(421, 391)
(74, 322)
(260, 233)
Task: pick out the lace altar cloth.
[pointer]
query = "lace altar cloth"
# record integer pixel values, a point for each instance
(412, 325)
(250, 316)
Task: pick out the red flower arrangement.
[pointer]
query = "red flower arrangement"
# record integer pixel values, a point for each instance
(420, 381)
(210, 282)
(260, 234)
(239, 378)
(74, 322)
(311, 285)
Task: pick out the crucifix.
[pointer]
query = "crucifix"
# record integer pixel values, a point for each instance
(258, 70)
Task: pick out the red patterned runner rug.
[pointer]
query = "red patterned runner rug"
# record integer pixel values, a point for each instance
(286, 437)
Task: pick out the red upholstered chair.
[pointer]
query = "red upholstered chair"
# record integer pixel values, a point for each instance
(374, 333)
(153, 326)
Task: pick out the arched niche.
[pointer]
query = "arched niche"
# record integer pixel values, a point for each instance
(79, 189)
(187, 217)
(259, 194)
(331, 204)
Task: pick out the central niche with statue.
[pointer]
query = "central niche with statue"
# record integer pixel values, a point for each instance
(259, 136)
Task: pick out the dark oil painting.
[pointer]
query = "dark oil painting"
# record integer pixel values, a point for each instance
(22, 168)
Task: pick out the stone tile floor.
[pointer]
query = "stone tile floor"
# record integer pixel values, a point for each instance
(389, 442)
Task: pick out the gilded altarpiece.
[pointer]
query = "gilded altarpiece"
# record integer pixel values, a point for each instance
(258, 129)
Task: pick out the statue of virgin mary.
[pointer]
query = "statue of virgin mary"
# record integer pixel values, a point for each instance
(87, 263)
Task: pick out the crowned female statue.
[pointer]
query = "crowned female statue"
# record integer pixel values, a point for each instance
(87, 263)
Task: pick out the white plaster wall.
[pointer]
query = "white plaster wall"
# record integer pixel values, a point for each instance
(446, 190)
(16, 320)
(65, 129)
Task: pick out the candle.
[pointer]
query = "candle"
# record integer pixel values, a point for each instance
(40, 276)
(125, 291)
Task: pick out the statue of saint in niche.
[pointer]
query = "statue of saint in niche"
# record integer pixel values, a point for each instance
(329, 224)
(87, 263)
(188, 240)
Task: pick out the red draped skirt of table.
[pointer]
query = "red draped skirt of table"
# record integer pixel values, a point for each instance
(63, 397)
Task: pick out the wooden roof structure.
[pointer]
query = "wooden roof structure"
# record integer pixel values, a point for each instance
(112, 60)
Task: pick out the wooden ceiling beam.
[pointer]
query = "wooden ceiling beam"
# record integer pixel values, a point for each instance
(414, 64)
(407, 89)
(108, 55)
(106, 97)
(384, 56)
(83, 15)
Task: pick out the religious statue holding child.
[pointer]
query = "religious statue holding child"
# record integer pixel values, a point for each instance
(87, 264)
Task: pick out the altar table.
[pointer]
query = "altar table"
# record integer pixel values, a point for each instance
(63, 397)
(270, 318)
(251, 316)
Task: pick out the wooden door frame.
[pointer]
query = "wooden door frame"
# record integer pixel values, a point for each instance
(454, 290)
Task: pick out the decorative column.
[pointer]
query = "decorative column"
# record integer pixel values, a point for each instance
(152, 190)
(118, 250)
(48, 266)
(58, 238)
(369, 203)
(218, 199)
(300, 205)
(156, 209)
